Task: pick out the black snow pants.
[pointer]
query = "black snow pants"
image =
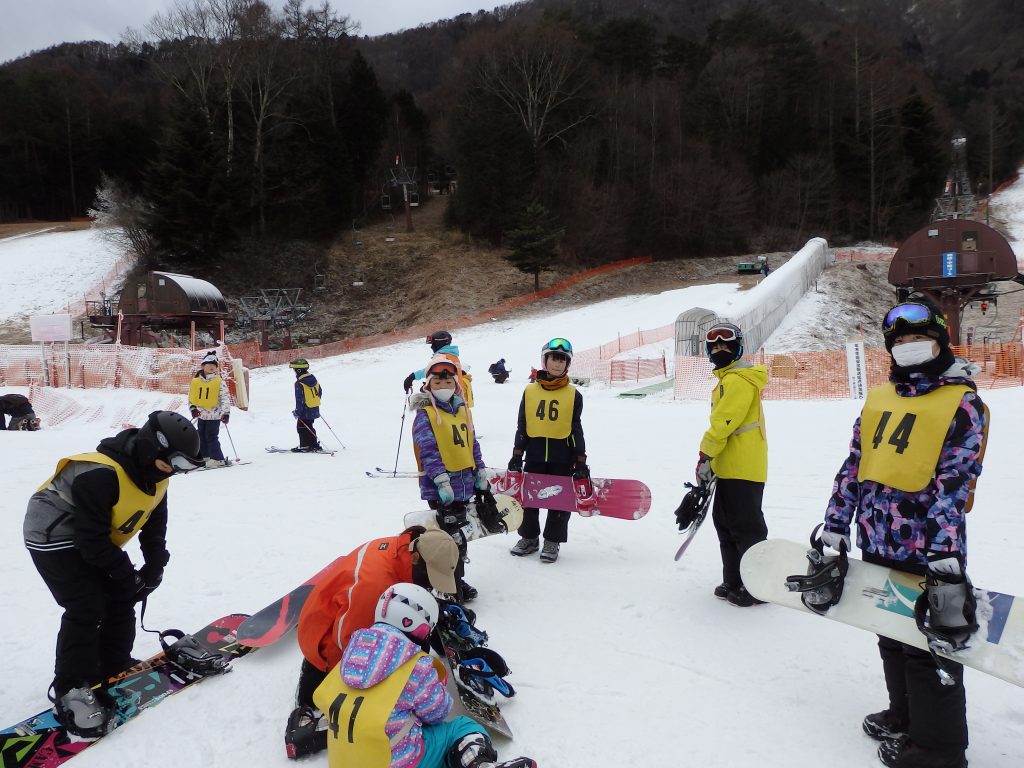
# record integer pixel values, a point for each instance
(309, 680)
(451, 519)
(935, 714)
(97, 630)
(739, 521)
(556, 526)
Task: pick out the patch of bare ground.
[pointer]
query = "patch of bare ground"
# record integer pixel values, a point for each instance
(30, 227)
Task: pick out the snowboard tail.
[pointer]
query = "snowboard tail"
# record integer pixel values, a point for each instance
(42, 742)
(622, 499)
(510, 512)
(881, 600)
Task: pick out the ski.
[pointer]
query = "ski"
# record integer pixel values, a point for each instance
(270, 624)
(700, 496)
(381, 472)
(41, 741)
(225, 466)
(275, 449)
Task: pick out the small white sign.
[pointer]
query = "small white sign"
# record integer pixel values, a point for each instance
(857, 370)
(50, 327)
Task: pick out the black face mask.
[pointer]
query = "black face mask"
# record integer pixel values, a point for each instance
(722, 358)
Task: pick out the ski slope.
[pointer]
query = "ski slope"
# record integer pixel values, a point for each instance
(620, 655)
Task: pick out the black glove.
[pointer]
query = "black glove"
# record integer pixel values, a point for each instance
(580, 470)
(195, 413)
(686, 512)
(407, 384)
(151, 575)
(127, 586)
(515, 464)
(224, 419)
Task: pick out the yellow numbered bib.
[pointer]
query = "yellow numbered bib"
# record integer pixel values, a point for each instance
(549, 413)
(311, 395)
(467, 389)
(204, 394)
(357, 717)
(454, 436)
(133, 506)
(902, 437)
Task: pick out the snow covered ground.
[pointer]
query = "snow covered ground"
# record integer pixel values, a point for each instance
(620, 655)
(44, 272)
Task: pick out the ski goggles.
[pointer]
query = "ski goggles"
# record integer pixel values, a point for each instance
(720, 333)
(181, 463)
(912, 315)
(559, 345)
(442, 371)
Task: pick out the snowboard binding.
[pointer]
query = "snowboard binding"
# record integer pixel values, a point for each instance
(455, 620)
(583, 487)
(822, 587)
(489, 514)
(187, 653)
(302, 735)
(482, 671)
(694, 506)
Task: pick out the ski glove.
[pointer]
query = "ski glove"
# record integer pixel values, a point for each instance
(580, 470)
(445, 494)
(482, 484)
(407, 384)
(224, 419)
(949, 602)
(195, 413)
(704, 472)
(835, 540)
(127, 586)
(295, 413)
(151, 576)
(515, 464)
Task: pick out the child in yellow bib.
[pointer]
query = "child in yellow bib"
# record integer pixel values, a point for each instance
(386, 706)
(448, 455)
(210, 404)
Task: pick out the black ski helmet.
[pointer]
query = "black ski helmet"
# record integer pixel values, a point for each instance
(724, 333)
(170, 437)
(439, 339)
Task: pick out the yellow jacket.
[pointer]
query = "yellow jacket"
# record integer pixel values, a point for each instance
(737, 440)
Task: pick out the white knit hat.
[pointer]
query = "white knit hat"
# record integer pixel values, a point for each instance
(210, 358)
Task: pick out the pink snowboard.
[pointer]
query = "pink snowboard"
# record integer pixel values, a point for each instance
(623, 499)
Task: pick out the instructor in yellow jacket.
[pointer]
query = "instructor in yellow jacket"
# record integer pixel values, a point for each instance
(734, 449)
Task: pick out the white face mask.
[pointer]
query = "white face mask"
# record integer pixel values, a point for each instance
(444, 395)
(914, 353)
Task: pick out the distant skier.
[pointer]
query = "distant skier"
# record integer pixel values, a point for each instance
(441, 344)
(735, 450)
(549, 433)
(387, 673)
(210, 404)
(498, 371)
(75, 529)
(452, 469)
(18, 407)
(908, 487)
(308, 394)
(343, 601)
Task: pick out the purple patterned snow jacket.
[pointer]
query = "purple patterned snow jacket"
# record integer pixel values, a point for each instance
(371, 656)
(430, 456)
(898, 528)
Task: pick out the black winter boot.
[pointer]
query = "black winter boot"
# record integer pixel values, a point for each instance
(903, 753)
(884, 725)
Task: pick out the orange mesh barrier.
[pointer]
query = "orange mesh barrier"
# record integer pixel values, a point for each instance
(284, 356)
(854, 254)
(599, 362)
(823, 375)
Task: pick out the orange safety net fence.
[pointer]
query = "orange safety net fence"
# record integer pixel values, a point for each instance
(823, 375)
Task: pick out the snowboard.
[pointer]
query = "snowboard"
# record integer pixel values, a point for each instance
(622, 499)
(267, 626)
(275, 449)
(511, 512)
(881, 600)
(42, 742)
(466, 701)
(702, 496)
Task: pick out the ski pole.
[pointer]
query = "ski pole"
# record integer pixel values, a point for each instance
(401, 431)
(232, 440)
(332, 432)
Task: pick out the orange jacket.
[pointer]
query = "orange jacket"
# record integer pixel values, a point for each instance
(345, 598)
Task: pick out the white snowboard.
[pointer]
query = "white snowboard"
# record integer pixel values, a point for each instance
(511, 512)
(881, 600)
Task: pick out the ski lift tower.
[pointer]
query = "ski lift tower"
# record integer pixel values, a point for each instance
(957, 200)
(406, 179)
(273, 308)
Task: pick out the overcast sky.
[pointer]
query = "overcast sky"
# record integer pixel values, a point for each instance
(30, 25)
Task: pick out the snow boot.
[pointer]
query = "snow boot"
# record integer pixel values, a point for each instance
(81, 713)
(903, 753)
(884, 726)
(475, 751)
(742, 599)
(550, 552)
(525, 547)
(466, 592)
(306, 733)
(215, 463)
(722, 590)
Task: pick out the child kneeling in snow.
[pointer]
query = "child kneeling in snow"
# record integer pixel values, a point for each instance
(386, 702)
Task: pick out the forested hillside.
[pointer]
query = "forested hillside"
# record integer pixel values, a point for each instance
(658, 127)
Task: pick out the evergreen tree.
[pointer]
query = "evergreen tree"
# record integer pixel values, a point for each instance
(534, 242)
